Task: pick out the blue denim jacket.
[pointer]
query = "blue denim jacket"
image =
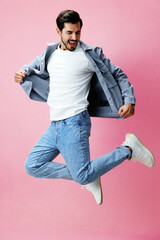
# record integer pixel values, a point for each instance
(109, 90)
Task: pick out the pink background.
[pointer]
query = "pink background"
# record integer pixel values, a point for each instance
(44, 209)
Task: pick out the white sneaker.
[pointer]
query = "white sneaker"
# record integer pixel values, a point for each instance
(96, 189)
(139, 151)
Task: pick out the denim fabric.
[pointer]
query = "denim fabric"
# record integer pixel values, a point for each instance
(70, 137)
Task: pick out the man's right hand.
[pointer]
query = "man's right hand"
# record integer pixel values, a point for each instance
(18, 77)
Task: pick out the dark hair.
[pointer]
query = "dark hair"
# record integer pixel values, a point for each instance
(68, 16)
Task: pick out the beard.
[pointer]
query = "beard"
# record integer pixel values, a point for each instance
(70, 44)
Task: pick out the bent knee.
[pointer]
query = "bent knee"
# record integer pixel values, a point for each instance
(30, 169)
(82, 179)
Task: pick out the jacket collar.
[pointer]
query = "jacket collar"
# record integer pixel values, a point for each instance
(85, 46)
(51, 47)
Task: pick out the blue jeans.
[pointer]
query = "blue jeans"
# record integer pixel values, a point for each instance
(70, 137)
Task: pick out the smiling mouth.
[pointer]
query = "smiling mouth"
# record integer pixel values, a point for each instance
(72, 43)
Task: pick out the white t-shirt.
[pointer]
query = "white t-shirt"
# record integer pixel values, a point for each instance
(70, 74)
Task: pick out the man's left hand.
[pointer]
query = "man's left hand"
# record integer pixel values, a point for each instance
(127, 110)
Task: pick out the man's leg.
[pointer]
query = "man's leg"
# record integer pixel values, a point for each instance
(39, 162)
(71, 138)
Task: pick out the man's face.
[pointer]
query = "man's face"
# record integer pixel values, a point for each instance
(70, 36)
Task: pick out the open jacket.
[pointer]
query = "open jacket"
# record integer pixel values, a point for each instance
(109, 90)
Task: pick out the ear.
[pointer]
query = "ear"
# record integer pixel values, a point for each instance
(59, 31)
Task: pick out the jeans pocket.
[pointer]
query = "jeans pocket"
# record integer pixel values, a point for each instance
(72, 120)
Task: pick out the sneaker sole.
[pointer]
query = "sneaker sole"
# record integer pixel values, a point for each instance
(101, 192)
(136, 139)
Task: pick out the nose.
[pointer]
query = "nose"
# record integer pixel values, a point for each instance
(74, 37)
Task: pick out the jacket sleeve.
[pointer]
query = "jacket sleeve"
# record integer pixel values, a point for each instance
(121, 78)
(33, 65)
(36, 82)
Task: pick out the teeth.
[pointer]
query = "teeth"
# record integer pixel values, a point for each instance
(72, 41)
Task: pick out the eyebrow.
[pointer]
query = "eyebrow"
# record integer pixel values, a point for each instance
(72, 31)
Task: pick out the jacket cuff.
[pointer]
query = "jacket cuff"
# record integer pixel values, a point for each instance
(129, 100)
(24, 68)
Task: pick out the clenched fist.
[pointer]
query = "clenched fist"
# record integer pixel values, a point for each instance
(127, 110)
(18, 77)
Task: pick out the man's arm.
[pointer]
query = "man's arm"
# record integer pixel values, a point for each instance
(33, 65)
(127, 90)
(26, 69)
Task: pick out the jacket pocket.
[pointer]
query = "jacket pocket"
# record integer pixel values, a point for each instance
(109, 79)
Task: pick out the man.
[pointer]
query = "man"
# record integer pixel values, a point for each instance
(78, 81)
